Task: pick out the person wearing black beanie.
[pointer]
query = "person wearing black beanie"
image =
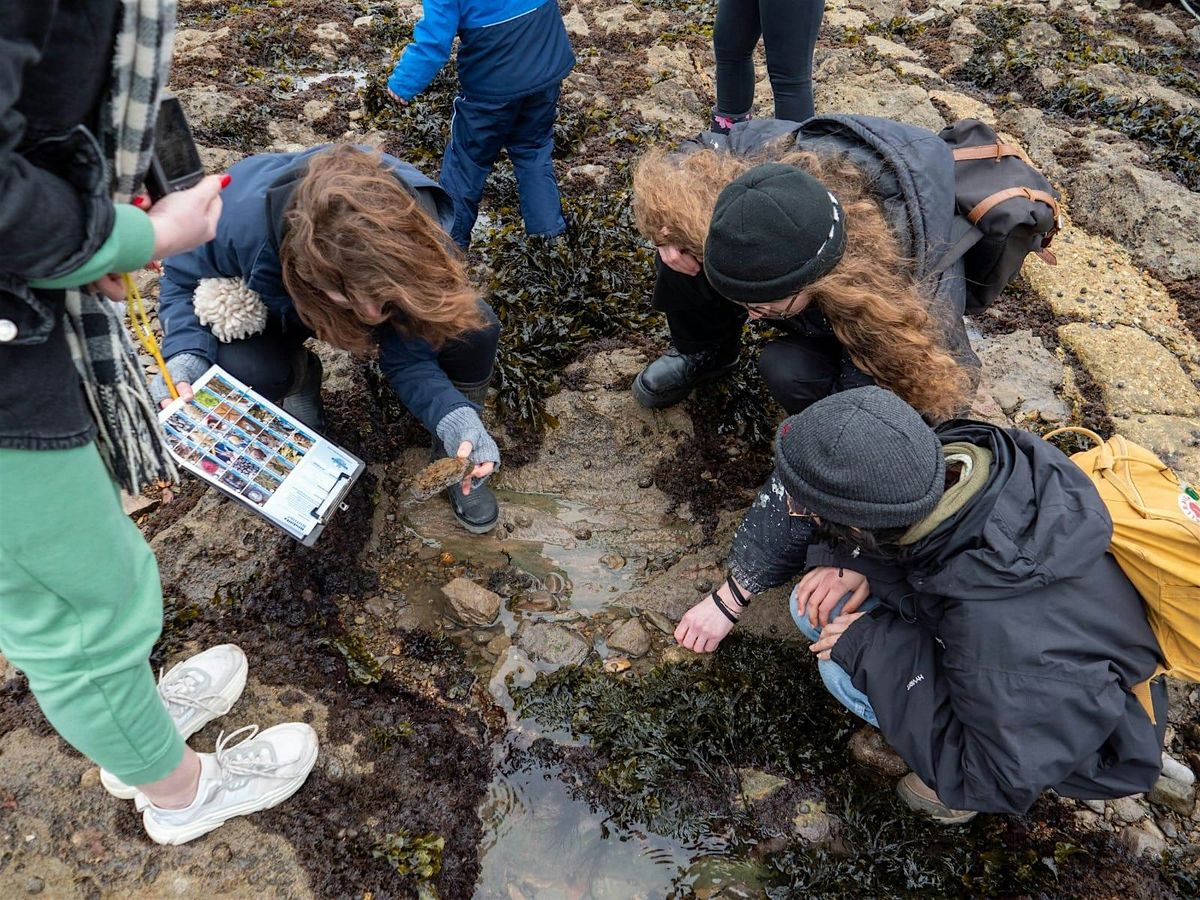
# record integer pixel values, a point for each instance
(800, 226)
(959, 596)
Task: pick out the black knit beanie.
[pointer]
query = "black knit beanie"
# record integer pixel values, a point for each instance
(863, 458)
(774, 230)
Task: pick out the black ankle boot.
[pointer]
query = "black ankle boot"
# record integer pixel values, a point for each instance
(671, 377)
(477, 512)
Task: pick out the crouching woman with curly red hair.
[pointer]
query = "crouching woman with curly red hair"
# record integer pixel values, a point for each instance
(350, 247)
(831, 230)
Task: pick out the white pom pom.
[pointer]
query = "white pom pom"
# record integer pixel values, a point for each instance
(229, 308)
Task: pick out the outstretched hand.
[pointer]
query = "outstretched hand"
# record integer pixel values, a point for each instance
(483, 470)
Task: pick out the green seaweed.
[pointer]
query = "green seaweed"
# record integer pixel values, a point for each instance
(415, 856)
(361, 665)
(388, 735)
(1173, 137)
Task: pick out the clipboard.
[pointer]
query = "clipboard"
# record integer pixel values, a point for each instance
(248, 448)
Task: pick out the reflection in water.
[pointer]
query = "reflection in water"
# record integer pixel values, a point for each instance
(540, 843)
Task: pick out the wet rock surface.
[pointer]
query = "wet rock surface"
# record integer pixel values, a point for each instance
(433, 713)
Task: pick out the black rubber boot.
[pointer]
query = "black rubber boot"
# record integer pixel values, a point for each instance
(477, 512)
(303, 401)
(671, 377)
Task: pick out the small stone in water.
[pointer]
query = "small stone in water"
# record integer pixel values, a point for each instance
(524, 519)
(659, 621)
(612, 560)
(583, 534)
(446, 559)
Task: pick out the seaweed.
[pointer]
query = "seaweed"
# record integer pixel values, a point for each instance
(361, 665)
(1172, 137)
(662, 750)
(553, 297)
(418, 856)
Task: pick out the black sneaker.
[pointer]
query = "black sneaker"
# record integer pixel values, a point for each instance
(671, 377)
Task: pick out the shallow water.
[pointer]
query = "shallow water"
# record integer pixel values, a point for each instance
(540, 843)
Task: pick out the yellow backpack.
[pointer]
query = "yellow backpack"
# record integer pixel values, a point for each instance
(1156, 541)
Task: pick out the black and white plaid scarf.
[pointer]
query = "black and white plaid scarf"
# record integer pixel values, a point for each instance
(130, 439)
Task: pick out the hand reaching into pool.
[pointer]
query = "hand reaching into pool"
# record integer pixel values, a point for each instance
(705, 625)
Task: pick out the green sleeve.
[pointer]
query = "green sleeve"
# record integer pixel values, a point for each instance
(129, 247)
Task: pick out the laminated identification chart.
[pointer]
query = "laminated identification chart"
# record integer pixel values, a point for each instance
(252, 450)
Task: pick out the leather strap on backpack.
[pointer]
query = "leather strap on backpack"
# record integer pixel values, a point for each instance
(988, 203)
(991, 151)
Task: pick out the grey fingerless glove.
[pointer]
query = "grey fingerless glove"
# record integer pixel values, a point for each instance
(183, 367)
(464, 424)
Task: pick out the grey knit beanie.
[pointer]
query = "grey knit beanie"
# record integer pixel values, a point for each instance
(775, 230)
(863, 458)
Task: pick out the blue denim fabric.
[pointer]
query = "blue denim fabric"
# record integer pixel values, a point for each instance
(479, 130)
(836, 679)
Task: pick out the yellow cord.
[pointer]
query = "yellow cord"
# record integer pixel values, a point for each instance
(141, 328)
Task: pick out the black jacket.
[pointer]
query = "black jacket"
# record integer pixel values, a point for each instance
(1001, 658)
(55, 57)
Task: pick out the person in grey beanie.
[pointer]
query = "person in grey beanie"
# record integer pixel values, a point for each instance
(959, 597)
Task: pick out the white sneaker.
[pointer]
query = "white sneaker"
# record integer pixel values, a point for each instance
(196, 691)
(259, 772)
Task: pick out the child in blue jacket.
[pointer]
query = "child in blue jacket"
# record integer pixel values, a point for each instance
(512, 58)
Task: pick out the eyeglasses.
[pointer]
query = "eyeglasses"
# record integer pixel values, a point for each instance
(787, 310)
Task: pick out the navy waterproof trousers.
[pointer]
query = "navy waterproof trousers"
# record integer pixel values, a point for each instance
(479, 130)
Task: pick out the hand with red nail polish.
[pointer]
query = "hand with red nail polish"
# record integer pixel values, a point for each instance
(225, 180)
(187, 219)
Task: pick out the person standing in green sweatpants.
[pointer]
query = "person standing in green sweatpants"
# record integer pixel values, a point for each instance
(80, 600)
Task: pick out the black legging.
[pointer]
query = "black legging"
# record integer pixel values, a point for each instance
(789, 31)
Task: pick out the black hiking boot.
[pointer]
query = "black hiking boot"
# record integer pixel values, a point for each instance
(477, 512)
(671, 377)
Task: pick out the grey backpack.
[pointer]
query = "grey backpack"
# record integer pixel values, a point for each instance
(1006, 210)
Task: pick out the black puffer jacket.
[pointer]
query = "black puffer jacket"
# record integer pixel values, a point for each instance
(1001, 658)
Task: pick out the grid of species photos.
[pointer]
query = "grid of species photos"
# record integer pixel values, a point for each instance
(232, 438)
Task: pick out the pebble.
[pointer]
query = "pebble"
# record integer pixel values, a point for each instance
(34, 885)
(659, 621)
(1174, 795)
(221, 853)
(1128, 809)
(703, 586)
(583, 534)
(612, 561)
(1173, 768)
(868, 748)
(90, 778)
(523, 519)
(646, 481)
(447, 559)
